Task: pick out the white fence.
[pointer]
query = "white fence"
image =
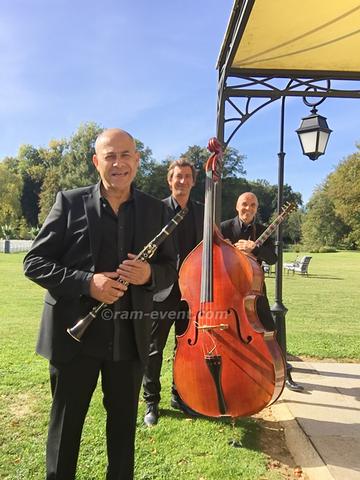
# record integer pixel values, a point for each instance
(12, 246)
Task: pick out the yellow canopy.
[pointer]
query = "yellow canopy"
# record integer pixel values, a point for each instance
(288, 37)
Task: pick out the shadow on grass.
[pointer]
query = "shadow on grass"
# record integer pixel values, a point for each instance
(318, 277)
(326, 277)
(244, 430)
(259, 433)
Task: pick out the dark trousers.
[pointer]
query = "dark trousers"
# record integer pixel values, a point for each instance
(264, 312)
(72, 386)
(171, 311)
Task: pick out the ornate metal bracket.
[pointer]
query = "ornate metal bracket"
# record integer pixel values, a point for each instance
(240, 97)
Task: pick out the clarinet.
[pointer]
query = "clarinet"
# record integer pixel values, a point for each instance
(78, 330)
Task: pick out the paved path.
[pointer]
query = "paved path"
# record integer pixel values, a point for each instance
(322, 424)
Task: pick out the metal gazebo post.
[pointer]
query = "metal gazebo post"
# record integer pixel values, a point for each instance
(279, 310)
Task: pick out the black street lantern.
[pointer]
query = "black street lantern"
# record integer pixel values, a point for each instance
(314, 135)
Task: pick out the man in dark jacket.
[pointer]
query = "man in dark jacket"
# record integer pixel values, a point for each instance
(87, 241)
(181, 178)
(242, 231)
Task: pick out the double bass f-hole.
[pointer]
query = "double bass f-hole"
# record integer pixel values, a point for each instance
(238, 328)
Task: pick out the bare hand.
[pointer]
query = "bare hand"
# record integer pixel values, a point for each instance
(228, 241)
(104, 288)
(246, 246)
(134, 271)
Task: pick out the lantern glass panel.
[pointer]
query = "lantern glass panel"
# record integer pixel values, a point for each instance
(308, 141)
(323, 139)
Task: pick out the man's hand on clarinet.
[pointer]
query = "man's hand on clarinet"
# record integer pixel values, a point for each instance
(105, 288)
(246, 246)
(134, 271)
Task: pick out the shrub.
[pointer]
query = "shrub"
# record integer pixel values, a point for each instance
(7, 231)
(326, 249)
(296, 247)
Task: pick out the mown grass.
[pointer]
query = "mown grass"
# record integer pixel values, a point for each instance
(322, 321)
(323, 308)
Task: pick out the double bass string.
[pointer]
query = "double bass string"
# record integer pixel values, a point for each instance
(207, 277)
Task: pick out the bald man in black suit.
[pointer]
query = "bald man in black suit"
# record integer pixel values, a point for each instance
(87, 241)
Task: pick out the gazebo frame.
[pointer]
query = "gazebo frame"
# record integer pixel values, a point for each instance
(257, 88)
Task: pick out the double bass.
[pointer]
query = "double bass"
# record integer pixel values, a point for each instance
(226, 363)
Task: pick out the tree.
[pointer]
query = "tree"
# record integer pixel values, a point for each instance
(333, 212)
(69, 165)
(292, 227)
(151, 176)
(33, 164)
(154, 181)
(10, 187)
(343, 187)
(50, 188)
(77, 168)
(321, 226)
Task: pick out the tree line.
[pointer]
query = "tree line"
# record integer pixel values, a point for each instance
(29, 183)
(332, 215)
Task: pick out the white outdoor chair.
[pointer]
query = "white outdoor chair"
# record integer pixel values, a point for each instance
(299, 265)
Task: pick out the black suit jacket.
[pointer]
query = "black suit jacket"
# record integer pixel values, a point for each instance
(231, 229)
(198, 209)
(171, 296)
(62, 259)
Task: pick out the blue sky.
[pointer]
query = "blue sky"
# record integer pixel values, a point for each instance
(147, 67)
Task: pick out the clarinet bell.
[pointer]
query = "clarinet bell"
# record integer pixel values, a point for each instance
(78, 330)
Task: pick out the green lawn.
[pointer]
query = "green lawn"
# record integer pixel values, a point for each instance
(322, 321)
(323, 309)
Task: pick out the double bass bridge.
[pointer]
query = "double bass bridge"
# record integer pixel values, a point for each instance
(203, 323)
(220, 326)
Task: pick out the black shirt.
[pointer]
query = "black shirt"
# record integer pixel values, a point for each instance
(114, 338)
